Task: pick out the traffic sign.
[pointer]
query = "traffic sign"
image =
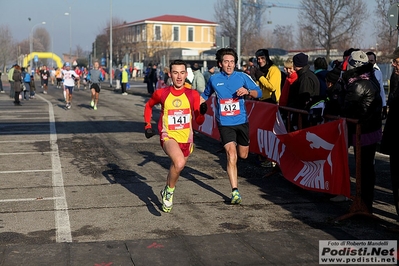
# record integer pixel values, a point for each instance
(393, 16)
(36, 58)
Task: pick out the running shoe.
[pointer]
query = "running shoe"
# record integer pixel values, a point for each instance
(167, 200)
(68, 105)
(92, 103)
(44, 92)
(95, 107)
(235, 197)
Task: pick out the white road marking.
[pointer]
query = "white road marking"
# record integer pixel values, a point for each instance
(62, 223)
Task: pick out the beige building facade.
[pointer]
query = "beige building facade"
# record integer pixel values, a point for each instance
(163, 38)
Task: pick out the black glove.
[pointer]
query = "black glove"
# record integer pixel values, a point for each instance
(149, 133)
(384, 113)
(258, 74)
(203, 108)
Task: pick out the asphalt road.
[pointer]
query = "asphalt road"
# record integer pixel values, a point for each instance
(81, 187)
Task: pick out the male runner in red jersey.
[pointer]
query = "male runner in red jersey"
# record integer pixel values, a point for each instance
(179, 105)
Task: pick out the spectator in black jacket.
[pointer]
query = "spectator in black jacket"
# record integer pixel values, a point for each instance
(390, 138)
(320, 70)
(305, 90)
(362, 101)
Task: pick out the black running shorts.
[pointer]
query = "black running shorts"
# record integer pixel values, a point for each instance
(238, 134)
(95, 86)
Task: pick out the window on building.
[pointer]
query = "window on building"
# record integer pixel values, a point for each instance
(143, 33)
(138, 33)
(157, 33)
(176, 33)
(190, 34)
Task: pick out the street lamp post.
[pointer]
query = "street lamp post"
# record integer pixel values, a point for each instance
(70, 32)
(31, 42)
(110, 48)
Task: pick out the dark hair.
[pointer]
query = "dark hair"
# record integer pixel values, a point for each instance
(320, 63)
(226, 51)
(177, 62)
(265, 53)
(371, 53)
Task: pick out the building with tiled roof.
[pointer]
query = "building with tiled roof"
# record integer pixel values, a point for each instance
(162, 38)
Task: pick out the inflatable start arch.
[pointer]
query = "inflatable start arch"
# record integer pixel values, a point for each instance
(49, 55)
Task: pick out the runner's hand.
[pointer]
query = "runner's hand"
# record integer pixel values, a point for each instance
(149, 133)
(203, 108)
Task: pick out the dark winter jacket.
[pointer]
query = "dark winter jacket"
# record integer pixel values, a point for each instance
(363, 102)
(304, 90)
(390, 140)
(321, 75)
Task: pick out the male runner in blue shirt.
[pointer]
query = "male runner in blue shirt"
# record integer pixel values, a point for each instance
(230, 87)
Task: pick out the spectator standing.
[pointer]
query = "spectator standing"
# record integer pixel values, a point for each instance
(320, 70)
(390, 139)
(11, 81)
(291, 77)
(124, 79)
(26, 81)
(305, 90)
(17, 78)
(378, 75)
(268, 77)
(118, 76)
(362, 101)
(209, 73)
(152, 79)
(198, 82)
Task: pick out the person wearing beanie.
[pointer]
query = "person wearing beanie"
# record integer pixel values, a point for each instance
(320, 70)
(335, 92)
(267, 76)
(305, 90)
(362, 101)
(209, 73)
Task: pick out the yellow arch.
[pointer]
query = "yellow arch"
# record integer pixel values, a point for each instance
(53, 56)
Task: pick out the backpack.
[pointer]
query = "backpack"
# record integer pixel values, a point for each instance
(27, 77)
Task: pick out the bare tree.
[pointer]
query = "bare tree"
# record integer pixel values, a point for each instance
(41, 40)
(7, 50)
(283, 37)
(226, 13)
(331, 22)
(387, 36)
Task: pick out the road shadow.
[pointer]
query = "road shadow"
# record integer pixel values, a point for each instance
(133, 182)
(188, 173)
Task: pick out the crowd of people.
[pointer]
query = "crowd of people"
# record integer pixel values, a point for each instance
(22, 81)
(350, 88)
